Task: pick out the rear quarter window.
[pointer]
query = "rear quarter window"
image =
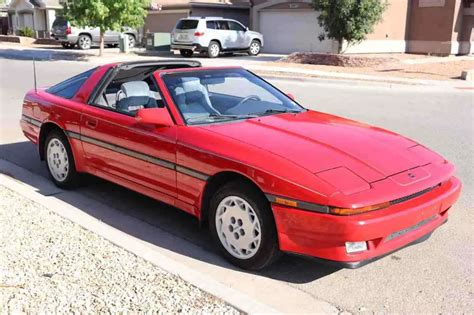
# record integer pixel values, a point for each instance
(67, 89)
(187, 24)
(211, 25)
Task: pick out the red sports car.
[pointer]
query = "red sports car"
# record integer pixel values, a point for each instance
(267, 175)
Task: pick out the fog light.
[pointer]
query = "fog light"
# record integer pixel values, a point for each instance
(354, 247)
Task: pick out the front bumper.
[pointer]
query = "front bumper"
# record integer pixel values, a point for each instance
(323, 235)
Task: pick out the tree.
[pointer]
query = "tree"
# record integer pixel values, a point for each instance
(348, 20)
(106, 14)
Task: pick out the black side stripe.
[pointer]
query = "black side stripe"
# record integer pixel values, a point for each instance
(139, 155)
(31, 120)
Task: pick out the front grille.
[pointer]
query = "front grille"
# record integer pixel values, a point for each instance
(412, 196)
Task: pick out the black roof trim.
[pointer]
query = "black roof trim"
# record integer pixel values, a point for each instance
(166, 64)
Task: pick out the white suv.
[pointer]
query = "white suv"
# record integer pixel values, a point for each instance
(214, 35)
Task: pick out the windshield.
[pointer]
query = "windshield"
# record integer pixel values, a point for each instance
(209, 96)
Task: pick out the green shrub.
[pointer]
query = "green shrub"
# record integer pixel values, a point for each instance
(27, 32)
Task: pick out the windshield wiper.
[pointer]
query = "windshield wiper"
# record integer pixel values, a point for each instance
(277, 111)
(216, 116)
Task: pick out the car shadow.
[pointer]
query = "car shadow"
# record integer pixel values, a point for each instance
(175, 229)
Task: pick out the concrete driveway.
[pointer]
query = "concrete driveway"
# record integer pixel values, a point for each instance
(434, 276)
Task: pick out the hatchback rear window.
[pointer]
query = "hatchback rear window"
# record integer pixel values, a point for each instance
(67, 89)
(187, 24)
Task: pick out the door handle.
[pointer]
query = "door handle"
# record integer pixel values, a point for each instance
(91, 123)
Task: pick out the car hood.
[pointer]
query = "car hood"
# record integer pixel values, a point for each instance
(319, 142)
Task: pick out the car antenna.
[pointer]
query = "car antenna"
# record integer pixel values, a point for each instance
(34, 74)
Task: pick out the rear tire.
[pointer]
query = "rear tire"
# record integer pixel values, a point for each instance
(60, 160)
(242, 225)
(187, 53)
(84, 42)
(254, 48)
(213, 50)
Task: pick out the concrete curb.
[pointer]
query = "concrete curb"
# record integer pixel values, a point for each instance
(134, 245)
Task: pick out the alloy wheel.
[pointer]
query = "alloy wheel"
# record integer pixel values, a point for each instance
(238, 227)
(254, 48)
(214, 50)
(85, 42)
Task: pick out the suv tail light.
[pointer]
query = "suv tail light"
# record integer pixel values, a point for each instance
(68, 30)
(198, 33)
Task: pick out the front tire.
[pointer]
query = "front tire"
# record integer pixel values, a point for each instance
(187, 53)
(213, 50)
(242, 225)
(254, 48)
(60, 161)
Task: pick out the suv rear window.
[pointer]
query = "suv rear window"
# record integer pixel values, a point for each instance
(187, 24)
(60, 21)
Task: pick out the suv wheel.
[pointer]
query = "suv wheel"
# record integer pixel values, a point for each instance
(186, 52)
(214, 49)
(84, 42)
(254, 48)
(242, 225)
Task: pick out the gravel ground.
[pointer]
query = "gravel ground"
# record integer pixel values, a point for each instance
(49, 264)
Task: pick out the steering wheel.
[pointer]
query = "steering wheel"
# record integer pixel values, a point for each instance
(245, 99)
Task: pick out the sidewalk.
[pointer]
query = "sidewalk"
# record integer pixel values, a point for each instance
(264, 64)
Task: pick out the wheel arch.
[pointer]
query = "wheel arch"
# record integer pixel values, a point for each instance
(217, 41)
(129, 33)
(46, 128)
(215, 182)
(84, 33)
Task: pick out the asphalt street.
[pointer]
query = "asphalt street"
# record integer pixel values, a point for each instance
(434, 276)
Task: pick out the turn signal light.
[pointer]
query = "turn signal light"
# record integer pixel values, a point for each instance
(352, 211)
(286, 202)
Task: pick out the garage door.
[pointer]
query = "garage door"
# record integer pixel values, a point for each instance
(291, 31)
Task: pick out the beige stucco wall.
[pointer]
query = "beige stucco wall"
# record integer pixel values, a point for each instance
(394, 23)
(163, 21)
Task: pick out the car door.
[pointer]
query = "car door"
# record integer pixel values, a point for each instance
(111, 37)
(226, 37)
(238, 35)
(116, 144)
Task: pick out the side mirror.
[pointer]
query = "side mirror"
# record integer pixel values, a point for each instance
(247, 29)
(290, 96)
(154, 116)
